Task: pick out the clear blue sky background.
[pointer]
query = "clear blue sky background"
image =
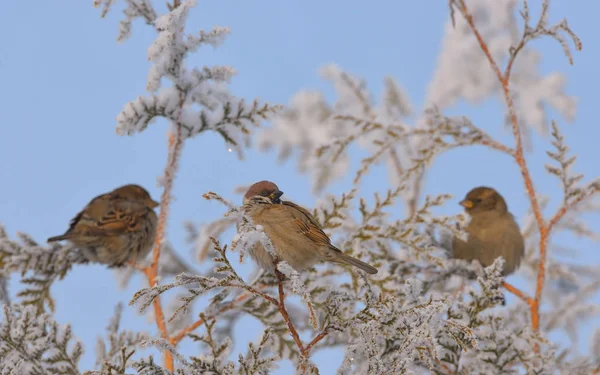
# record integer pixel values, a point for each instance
(64, 79)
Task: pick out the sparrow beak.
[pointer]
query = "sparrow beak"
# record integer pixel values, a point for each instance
(274, 196)
(153, 203)
(466, 203)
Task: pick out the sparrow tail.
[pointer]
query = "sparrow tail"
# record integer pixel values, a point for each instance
(58, 238)
(357, 263)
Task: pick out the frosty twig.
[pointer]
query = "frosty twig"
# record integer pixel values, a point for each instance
(504, 80)
(175, 144)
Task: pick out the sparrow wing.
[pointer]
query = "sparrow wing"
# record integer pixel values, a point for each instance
(294, 230)
(467, 250)
(508, 241)
(304, 212)
(107, 216)
(310, 228)
(82, 219)
(305, 223)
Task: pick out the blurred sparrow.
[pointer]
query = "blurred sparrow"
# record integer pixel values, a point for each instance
(114, 228)
(294, 233)
(492, 231)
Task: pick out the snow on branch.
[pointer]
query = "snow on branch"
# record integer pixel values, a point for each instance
(121, 346)
(497, 23)
(134, 9)
(33, 343)
(422, 312)
(202, 284)
(196, 100)
(216, 360)
(572, 193)
(193, 100)
(322, 132)
(255, 362)
(40, 266)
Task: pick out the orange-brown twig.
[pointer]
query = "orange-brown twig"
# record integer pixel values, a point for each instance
(279, 303)
(185, 331)
(304, 350)
(518, 292)
(442, 365)
(564, 209)
(498, 147)
(175, 143)
(544, 229)
(286, 317)
(314, 341)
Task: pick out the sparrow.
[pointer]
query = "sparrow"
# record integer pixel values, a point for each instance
(114, 228)
(296, 236)
(493, 231)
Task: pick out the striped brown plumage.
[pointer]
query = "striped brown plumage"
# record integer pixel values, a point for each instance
(114, 228)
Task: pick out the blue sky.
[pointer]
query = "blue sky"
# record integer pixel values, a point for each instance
(64, 79)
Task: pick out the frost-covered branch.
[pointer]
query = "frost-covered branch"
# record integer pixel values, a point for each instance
(194, 100)
(33, 343)
(572, 193)
(504, 80)
(423, 312)
(121, 346)
(40, 266)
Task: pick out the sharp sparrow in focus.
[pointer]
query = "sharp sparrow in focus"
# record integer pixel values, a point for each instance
(296, 236)
(116, 227)
(493, 231)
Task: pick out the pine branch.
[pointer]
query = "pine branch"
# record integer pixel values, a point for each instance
(504, 80)
(43, 266)
(33, 343)
(121, 346)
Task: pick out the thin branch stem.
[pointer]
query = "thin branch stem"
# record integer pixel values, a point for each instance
(175, 145)
(442, 365)
(563, 210)
(396, 162)
(314, 341)
(482, 44)
(518, 292)
(286, 318)
(498, 146)
(304, 350)
(280, 304)
(256, 292)
(504, 80)
(185, 331)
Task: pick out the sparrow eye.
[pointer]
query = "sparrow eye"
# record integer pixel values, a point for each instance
(264, 193)
(476, 201)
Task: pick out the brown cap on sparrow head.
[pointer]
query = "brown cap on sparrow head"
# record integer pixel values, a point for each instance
(492, 231)
(264, 189)
(134, 193)
(115, 227)
(296, 236)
